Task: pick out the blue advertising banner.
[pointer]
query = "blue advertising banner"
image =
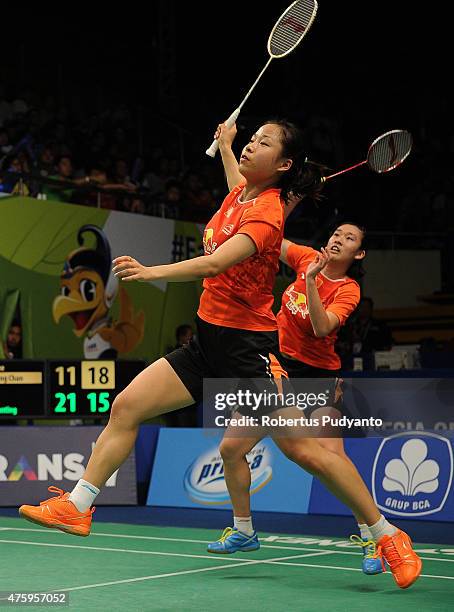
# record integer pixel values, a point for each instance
(188, 472)
(410, 476)
(32, 458)
(145, 448)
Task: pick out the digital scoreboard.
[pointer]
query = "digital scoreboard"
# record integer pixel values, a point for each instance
(62, 389)
(87, 388)
(22, 389)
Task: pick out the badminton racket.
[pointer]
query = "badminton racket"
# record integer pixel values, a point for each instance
(289, 30)
(386, 153)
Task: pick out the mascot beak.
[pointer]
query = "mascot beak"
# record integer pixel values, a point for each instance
(64, 305)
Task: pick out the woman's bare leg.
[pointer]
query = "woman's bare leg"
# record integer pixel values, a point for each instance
(236, 471)
(337, 473)
(336, 445)
(156, 390)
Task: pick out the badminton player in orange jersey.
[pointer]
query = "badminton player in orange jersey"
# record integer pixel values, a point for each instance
(236, 331)
(235, 325)
(313, 308)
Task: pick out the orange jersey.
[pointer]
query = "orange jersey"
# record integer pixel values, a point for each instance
(242, 296)
(296, 335)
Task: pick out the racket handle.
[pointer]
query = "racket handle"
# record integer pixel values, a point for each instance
(211, 151)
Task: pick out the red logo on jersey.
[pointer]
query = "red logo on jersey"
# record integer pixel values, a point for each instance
(208, 245)
(297, 302)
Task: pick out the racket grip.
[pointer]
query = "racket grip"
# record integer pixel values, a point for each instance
(211, 151)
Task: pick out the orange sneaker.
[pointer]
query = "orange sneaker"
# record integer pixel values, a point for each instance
(401, 558)
(59, 513)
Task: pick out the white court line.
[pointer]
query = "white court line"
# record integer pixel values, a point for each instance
(210, 556)
(183, 540)
(122, 550)
(194, 571)
(275, 561)
(433, 576)
(351, 569)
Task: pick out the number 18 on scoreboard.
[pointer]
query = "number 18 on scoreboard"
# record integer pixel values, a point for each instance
(85, 388)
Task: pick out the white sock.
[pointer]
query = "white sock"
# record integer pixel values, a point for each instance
(243, 524)
(83, 495)
(364, 531)
(382, 528)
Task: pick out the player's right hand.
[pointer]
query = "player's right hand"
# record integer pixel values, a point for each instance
(224, 135)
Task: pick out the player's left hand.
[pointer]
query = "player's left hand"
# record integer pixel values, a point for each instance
(321, 260)
(128, 269)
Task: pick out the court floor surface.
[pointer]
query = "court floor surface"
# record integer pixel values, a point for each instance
(141, 567)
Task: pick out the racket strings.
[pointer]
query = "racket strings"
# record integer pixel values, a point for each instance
(389, 151)
(292, 27)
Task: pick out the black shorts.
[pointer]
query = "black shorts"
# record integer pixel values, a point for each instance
(298, 369)
(226, 352)
(334, 386)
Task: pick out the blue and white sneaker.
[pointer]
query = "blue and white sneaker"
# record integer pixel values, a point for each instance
(232, 541)
(373, 562)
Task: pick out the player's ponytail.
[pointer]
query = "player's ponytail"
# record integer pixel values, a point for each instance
(304, 177)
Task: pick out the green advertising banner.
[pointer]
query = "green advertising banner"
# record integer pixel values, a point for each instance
(55, 274)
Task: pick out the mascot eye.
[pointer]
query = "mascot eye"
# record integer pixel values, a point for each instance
(88, 290)
(65, 291)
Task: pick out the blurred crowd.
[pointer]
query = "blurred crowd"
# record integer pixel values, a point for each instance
(71, 154)
(117, 160)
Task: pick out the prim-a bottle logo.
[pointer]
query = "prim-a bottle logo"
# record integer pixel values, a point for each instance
(204, 480)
